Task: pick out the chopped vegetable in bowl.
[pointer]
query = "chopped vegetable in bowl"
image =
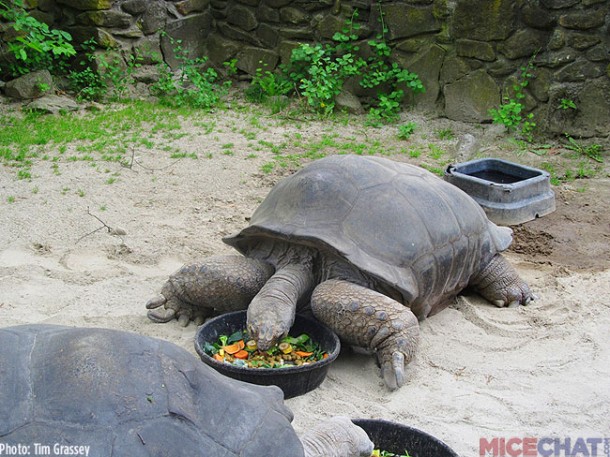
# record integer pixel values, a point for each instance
(378, 453)
(239, 350)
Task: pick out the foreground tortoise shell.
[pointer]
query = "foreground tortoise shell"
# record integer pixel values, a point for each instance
(124, 394)
(420, 237)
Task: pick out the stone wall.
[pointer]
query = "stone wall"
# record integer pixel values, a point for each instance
(468, 53)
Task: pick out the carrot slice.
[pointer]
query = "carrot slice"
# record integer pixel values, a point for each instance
(219, 357)
(235, 347)
(303, 353)
(241, 354)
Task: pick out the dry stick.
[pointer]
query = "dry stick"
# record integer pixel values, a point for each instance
(104, 225)
(130, 164)
(136, 161)
(160, 168)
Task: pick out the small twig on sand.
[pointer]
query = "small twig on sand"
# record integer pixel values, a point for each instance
(112, 231)
(130, 163)
(160, 168)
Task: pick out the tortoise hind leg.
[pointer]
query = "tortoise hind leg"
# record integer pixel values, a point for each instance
(499, 283)
(363, 317)
(219, 283)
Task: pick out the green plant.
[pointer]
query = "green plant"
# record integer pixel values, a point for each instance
(406, 130)
(584, 170)
(194, 84)
(230, 67)
(268, 167)
(435, 152)
(380, 72)
(414, 153)
(106, 135)
(593, 151)
(320, 71)
(566, 104)
(266, 84)
(380, 453)
(118, 73)
(87, 83)
(35, 46)
(102, 73)
(436, 170)
(24, 174)
(445, 134)
(43, 87)
(510, 113)
(325, 74)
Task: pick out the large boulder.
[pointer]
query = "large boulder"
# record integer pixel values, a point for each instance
(470, 98)
(29, 86)
(403, 20)
(191, 32)
(590, 118)
(251, 58)
(53, 104)
(87, 5)
(484, 20)
(427, 64)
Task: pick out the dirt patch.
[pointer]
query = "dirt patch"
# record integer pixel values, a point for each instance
(576, 235)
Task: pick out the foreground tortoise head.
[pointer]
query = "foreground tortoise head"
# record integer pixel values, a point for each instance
(111, 393)
(371, 244)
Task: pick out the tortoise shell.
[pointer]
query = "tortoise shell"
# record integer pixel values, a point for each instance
(415, 234)
(130, 395)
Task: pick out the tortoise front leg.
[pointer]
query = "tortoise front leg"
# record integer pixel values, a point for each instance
(363, 317)
(500, 284)
(271, 313)
(219, 283)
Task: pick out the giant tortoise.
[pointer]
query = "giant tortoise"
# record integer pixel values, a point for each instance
(371, 244)
(100, 392)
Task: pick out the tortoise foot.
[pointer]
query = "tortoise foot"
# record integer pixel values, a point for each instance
(218, 284)
(365, 318)
(500, 284)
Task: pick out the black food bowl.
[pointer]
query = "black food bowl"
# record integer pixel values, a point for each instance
(294, 381)
(398, 438)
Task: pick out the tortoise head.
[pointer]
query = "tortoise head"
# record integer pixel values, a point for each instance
(272, 311)
(266, 328)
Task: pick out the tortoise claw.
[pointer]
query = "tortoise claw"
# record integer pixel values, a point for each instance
(199, 320)
(183, 320)
(394, 372)
(530, 298)
(161, 317)
(155, 302)
(499, 303)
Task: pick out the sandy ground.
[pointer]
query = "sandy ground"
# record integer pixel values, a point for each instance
(480, 372)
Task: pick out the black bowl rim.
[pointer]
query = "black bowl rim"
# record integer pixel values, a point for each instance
(268, 371)
(361, 420)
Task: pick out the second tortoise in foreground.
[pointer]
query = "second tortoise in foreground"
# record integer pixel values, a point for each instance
(104, 393)
(372, 245)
